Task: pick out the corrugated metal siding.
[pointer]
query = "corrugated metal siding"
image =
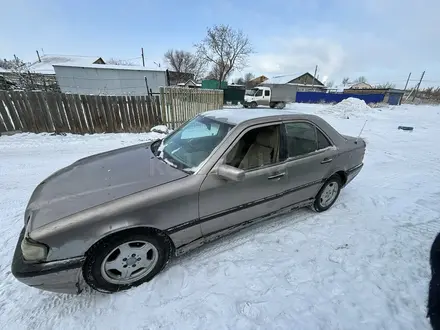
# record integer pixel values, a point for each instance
(316, 97)
(103, 81)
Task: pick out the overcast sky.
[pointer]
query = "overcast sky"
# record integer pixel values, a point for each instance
(383, 40)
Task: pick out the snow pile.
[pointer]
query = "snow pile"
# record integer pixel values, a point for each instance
(160, 129)
(351, 107)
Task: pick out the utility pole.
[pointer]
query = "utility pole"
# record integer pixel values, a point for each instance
(418, 85)
(314, 76)
(143, 59)
(407, 80)
(38, 54)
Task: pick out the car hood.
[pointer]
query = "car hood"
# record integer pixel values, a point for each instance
(95, 180)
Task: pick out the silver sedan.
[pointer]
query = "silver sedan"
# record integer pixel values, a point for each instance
(113, 220)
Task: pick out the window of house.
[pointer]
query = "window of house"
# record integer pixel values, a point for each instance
(266, 93)
(258, 147)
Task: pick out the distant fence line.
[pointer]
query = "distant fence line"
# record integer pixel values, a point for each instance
(57, 112)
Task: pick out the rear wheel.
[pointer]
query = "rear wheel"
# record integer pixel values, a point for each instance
(272, 105)
(328, 194)
(125, 260)
(280, 105)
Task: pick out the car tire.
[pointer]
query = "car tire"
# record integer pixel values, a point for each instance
(328, 194)
(253, 105)
(146, 253)
(281, 105)
(272, 105)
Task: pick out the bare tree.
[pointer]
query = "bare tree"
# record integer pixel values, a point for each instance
(386, 85)
(185, 62)
(115, 61)
(345, 81)
(240, 81)
(361, 79)
(329, 84)
(248, 77)
(225, 49)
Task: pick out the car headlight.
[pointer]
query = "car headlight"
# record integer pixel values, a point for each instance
(33, 251)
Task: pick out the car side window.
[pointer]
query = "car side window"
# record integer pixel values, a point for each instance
(259, 93)
(257, 147)
(323, 142)
(301, 139)
(266, 93)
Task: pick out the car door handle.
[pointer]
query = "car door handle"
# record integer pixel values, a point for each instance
(276, 176)
(326, 160)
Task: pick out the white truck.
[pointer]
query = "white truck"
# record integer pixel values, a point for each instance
(274, 96)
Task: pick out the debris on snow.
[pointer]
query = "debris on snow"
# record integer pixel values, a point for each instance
(405, 128)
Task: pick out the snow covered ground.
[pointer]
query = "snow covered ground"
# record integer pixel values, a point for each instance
(361, 265)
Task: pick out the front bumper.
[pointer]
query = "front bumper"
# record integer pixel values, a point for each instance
(62, 276)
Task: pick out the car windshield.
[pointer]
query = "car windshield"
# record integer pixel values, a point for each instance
(251, 92)
(188, 146)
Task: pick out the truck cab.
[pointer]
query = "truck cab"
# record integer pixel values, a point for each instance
(257, 96)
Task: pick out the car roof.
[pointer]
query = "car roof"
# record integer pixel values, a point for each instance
(238, 116)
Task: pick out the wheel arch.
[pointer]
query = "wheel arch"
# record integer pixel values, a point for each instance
(137, 230)
(343, 176)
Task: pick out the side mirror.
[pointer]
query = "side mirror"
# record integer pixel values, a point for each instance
(230, 173)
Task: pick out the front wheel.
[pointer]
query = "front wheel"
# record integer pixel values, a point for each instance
(254, 105)
(122, 261)
(328, 194)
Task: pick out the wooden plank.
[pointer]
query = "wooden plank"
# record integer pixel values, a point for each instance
(102, 117)
(130, 113)
(6, 124)
(68, 113)
(117, 114)
(62, 113)
(163, 106)
(143, 115)
(90, 114)
(54, 112)
(152, 119)
(14, 98)
(137, 115)
(36, 111)
(9, 106)
(81, 115)
(30, 105)
(20, 106)
(76, 122)
(45, 112)
(113, 119)
(125, 123)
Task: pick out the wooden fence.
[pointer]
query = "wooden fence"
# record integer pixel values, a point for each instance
(56, 112)
(181, 104)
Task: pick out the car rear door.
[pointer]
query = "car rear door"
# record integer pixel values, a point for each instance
(227, 205)
(310, 161)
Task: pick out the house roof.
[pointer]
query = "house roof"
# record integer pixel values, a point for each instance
(48, 61)
(286, 79)
(363, 84)
(108, 66)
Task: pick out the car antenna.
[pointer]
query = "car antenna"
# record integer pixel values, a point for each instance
(361, 131)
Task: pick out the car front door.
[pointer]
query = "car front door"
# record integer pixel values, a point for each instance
(227, 205)
(310, 161)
